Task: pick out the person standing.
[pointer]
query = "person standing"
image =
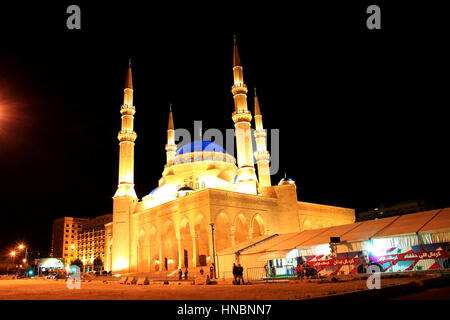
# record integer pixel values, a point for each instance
(266, 268)
(180, 274)
(211, 271)
(240, 274)
(235, 273)
(186, 274)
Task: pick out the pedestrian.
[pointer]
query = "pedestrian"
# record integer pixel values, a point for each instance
(297, 271)
(301, 270)
(180, 274)
(240, 274)
(266, 268)
(201, 271)
(273, 271)
(235, 273)
(211, 271)
(186, 274)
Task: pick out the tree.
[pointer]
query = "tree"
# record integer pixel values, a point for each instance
(98, 263)
(78, 263)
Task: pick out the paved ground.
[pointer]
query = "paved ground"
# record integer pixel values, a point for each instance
(34, 289)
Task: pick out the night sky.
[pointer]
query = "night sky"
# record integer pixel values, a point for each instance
(360, 113)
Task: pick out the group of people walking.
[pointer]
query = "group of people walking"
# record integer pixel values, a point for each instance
(238, 272)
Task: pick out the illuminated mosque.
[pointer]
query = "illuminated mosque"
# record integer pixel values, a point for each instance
(206, 200)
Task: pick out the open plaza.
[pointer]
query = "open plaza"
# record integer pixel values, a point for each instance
(111, 289)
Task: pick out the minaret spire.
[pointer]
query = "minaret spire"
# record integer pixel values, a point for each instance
(126, 141)
(236, 58)
(262, 155)
(246, 178)
(171, 147)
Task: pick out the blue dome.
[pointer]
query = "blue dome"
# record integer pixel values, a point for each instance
(198, 146)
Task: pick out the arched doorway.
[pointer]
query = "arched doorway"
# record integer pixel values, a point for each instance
(142, 252)
(241, 233)
(186, 244)
(201, 238)
(155, 246)
(170, 247)
(222, 232)
(257, 226)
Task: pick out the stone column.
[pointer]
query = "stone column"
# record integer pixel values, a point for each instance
(180, 254)
(233, 235)
(161, 265)
(250, 232)
(194, 250)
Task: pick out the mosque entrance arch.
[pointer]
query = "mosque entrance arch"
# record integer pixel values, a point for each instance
(222, 232)
(186, 243)
(257, 226)
(170, 247)
(155, 246)
(142, 254)
(241, 225)
(201, 239)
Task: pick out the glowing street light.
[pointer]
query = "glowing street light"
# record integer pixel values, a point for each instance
(12, 253)
(21, 246)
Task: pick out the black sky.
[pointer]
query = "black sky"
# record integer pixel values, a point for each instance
(360, 113)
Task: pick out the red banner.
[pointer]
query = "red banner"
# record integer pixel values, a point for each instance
(411, 255)
(334, 262)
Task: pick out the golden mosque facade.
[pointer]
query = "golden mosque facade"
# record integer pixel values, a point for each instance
(206, 200)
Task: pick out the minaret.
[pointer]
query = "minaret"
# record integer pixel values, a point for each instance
(246, 177)
(126, 138)
(125, 199)
(262, 155)
(171, 147)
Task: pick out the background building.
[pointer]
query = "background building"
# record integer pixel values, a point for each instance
(65, 236)
(91, 241)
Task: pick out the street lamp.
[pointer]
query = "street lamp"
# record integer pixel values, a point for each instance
(13, 257)
(216, 267)
(21, 247)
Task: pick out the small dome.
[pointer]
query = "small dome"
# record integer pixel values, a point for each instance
(200, 145)
(286, 181)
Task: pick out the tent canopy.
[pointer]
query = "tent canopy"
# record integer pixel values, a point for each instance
(439, 223)
(278, 246)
